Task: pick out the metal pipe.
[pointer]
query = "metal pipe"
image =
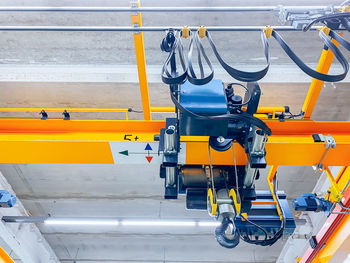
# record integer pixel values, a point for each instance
(169, 135)
(161, 9)
(144, 29)
(249, 176)
(227, 201)
(225, 208)
(24, 219)
(170, 176)
(258, 142)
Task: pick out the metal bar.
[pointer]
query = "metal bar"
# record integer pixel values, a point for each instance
(262, 109)
(145, 29)
(4, 257)
(136, 21)
(302, 128)
(162, 109)
(24, 219)
(161, 9)
(329, 232)
(63, 109)
(270, 177)
(88, 141)
(314, 91)
(337, 242)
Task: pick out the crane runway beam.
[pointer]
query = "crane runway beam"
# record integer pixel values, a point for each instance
(89, 141)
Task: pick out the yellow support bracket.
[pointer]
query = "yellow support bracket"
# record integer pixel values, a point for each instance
(325, 30)
(334, 189)
(202, 32)
(268, 31)
(4, 257)
(345, 8)
(314, 91)
(185, 32)
(141, 60)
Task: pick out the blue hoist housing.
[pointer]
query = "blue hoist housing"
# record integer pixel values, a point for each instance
(205, 100)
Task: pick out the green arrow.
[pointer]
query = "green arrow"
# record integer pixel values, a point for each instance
(126, 152)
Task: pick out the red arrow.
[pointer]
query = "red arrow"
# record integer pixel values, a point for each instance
(149, 158)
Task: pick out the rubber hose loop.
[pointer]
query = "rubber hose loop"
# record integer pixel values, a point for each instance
(340, 40)
(239, 74)
(171, 78)
(309, 71)
(191, 76)
(222, 239)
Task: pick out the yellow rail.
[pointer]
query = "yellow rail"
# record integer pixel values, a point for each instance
(261, 110)
(4, 257)
(314, 91)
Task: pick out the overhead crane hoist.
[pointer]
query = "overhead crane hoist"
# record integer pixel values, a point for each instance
(206, 108)
(215, 148)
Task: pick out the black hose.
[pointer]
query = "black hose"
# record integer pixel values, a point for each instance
(220, 235)
(243, 116)
(325, 18)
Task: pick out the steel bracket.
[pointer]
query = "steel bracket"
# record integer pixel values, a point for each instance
(329, 143)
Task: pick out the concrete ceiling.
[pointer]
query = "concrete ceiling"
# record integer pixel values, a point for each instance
(137, 192)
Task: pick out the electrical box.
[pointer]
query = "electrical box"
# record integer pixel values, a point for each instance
(205, 100)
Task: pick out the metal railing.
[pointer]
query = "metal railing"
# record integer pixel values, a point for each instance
(164, 9)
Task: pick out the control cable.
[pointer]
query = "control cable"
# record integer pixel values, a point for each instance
(326, 18)
(243, 116)
(309, 71)
(266, 241)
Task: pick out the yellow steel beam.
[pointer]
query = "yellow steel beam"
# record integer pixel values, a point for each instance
(4, 257)
(152, 109)
(87, 141)
(141, 62)
(67, 109)
(314, 91)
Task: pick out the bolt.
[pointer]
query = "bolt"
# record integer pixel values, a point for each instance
(220, 139)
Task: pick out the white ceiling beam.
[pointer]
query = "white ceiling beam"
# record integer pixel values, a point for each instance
(25, 240)
(128, 73)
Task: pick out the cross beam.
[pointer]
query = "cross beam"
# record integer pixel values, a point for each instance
(89, 141)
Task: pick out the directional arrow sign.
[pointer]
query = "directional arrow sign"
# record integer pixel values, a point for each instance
(126, 152)
(148, 147)
(136, 153)
(149, 158)
(141, 153)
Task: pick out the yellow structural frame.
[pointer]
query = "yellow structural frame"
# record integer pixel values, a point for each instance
(314, 91)
(136, 21)
(26, 140)
(4, 257)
